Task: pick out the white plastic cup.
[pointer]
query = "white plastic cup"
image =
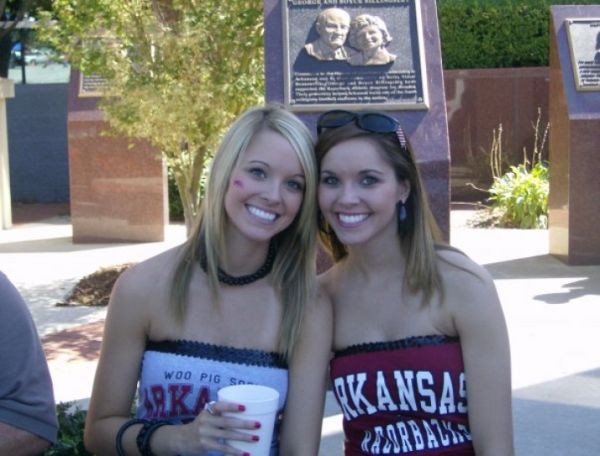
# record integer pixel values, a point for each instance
(262, 403)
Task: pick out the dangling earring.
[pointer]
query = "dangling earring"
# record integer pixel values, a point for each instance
(402, 215)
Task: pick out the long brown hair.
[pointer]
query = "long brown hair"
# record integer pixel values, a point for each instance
(294, 268)
(418, 234)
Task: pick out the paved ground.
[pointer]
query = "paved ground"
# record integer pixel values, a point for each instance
(552, 312)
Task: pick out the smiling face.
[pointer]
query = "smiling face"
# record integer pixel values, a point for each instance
(266, 188)
(333, 26)
(369, 37)
(358, 192)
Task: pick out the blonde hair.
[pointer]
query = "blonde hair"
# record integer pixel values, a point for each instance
(418, 234)
(293, 271)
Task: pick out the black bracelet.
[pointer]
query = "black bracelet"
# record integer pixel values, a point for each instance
(145, 434)
(122, 429)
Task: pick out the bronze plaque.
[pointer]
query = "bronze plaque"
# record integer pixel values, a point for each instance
(91, 85)
(352, 54)
(584, 45)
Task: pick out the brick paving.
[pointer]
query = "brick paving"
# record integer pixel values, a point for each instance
(74, 344)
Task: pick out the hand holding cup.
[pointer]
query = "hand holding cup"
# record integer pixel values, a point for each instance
(216, 428)
(261, 405)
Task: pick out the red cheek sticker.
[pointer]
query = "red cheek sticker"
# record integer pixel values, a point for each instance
(238, 183)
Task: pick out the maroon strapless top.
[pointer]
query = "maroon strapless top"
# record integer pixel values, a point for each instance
(403, 397)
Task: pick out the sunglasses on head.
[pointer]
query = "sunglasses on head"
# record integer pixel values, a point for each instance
(375, 122)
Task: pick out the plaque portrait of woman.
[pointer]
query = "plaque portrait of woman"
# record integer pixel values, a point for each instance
(369, 36)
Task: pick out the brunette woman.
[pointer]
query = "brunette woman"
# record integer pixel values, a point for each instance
(422, 362)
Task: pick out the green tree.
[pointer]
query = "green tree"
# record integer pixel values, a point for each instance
(177, 71)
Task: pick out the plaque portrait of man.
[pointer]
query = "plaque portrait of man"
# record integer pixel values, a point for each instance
(597, 56)
(369, 35)
(332, 25)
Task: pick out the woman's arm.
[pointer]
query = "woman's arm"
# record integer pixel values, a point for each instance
(480, 323)
(136, 303)
(303, 413)
(118, 367)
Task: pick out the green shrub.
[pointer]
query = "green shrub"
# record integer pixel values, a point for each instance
(522, 196)
(496, 33)
(519, 197)
(71, 422)
(519, 192)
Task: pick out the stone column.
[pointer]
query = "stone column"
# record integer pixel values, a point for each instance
(118, 186)
(320, 84)
(574, 204)
(7, 90)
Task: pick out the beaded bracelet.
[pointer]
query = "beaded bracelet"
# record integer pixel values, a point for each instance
(122, 429)
(143, 438)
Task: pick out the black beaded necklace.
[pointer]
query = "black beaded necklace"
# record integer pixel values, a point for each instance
(248, 278)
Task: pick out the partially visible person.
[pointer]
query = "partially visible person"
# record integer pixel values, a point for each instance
(28, 423)
(422, 362)
(236, 304)
(332, 25)
(369, 35)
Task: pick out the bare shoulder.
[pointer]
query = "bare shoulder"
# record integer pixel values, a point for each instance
(319, 307)
(145, 282)
(454, 265)
(468, 287)
(316, 332)
(154, 268)
(329, 280)
(324, 281)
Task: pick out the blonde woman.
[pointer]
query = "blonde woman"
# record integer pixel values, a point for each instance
(235, 304)
(422, 363)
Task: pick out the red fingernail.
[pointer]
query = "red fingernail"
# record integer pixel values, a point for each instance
(257, 424)
(241, 408)
(255, 438)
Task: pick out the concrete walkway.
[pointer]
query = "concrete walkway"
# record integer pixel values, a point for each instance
(552, 311)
